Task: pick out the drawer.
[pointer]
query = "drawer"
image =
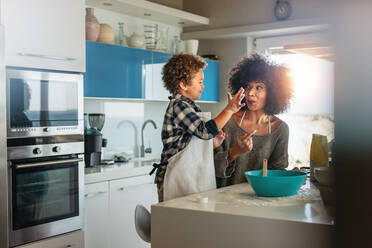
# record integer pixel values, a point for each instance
(96, 188)
(131, 181)
(69, 240)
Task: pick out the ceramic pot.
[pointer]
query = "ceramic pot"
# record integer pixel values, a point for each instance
(92, 26)
(191, 46)
(136, 40)
(106, 34)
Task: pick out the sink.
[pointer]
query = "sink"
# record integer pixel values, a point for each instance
(146, 159)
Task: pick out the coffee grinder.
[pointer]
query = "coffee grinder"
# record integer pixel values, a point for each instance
(93, 141)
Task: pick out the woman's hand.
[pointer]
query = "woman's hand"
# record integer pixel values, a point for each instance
(235, 103)
(217, 141)
(244, 143)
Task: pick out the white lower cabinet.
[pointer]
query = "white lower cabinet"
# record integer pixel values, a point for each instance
(125, 194)
(97, 215)
(69, 240)
(109, 211)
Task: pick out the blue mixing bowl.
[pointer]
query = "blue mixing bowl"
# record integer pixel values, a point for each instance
(277, 182)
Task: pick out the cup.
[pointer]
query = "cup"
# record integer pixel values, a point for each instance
(191, 46)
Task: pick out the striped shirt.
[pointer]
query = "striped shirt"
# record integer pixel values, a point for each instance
(181, 122)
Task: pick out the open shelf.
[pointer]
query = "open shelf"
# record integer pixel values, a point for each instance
(260, 30)
(151, 11)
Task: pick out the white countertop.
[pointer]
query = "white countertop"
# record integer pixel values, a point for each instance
(117, 171)
(241, 200)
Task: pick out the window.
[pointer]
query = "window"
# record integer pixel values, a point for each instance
(310, 59)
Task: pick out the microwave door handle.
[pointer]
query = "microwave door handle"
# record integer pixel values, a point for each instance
(38, 164)
(42, 56)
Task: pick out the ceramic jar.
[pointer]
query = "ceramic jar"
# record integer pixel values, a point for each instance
(92, 26)
(106, 34)
(136, 40)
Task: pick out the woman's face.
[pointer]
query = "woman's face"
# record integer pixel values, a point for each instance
(255, 96)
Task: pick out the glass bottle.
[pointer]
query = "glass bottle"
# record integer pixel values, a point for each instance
(174, 44)
(121, 37)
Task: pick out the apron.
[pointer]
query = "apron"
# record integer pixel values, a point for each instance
(191, 170)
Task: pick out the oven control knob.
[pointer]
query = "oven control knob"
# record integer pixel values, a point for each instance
(37, 151)
(45, 129)
(56, 149)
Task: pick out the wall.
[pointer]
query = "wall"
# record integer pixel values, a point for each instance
(224, 13)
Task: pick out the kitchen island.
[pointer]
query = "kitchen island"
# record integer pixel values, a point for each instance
(235, 217)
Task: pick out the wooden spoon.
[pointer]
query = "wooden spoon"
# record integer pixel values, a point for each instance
(264, 168)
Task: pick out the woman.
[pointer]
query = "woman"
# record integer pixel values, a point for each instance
(254, 133)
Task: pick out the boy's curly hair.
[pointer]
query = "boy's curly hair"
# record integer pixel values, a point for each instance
(180, 68)
(257, 68)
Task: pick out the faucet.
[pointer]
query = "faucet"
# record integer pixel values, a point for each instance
(135, 148)
(147, 150)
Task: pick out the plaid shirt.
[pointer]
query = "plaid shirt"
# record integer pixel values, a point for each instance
(181, 122)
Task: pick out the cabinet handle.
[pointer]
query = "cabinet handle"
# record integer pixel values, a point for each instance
(42, 56)
(94, 194)
(132, 186)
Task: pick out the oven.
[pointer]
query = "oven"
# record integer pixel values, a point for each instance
(45, 176)
(43, 103)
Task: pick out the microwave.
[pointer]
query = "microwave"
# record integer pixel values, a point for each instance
(43, 103)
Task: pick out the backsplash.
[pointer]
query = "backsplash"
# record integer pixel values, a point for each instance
(123, 123)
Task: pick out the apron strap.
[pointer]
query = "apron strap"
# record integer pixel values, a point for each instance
(157, 166)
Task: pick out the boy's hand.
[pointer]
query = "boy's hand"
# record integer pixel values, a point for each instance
(235, 103)
(217, 141)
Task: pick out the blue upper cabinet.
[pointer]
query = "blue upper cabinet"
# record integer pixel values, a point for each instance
(123, 72)
(211, 91)
(157, 91)
(115, 71)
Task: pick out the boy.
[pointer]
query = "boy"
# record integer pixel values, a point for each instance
(183, 78)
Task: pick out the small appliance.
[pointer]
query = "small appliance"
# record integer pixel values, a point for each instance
(93, 139)
(43, 103)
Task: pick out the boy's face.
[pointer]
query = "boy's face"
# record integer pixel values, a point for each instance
(194, 89)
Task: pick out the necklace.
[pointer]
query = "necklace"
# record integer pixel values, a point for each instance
(268, 119)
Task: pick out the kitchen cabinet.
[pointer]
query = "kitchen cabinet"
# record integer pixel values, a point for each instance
(155, 90)
(97, 215)
(211, 91)
(72, 240)
(45, 34)
(131, 73)
(115, 71)
(125, 194)
(109, 211)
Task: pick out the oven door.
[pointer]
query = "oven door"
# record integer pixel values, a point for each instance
(43, 103)
(46, 197)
